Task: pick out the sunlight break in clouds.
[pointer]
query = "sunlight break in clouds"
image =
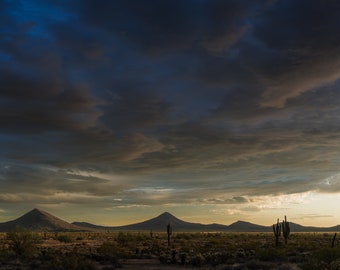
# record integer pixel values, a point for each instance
(230, 111)
(307, 208)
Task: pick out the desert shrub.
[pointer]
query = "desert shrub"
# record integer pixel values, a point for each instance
(75, 262)
(183, 258)
(23, 242)
(110, 251)
(69, 261)
(217, 258)
(156, 246)
(64, 238)
(335, 265)
(4, 252)
(313, 264)
(270, 254)
(49, 254)
(185, 236)
(327, 255)
(124, 238)
(254, 264)
(197, 261)
(165, 258)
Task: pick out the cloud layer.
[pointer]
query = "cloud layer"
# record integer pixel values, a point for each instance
(167, 102)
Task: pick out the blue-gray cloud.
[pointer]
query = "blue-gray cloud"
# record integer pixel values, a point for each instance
(183, 96)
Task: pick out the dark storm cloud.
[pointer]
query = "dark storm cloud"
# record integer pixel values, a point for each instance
(131, 109)
(290, 48)
(78, 41)
(169, 94)
(30, 105)
(155, 26)
(304, 36)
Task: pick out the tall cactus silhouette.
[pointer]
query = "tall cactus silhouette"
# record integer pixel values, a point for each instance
(285, 229)
(169, 232)
(277, 232)
(333, 240)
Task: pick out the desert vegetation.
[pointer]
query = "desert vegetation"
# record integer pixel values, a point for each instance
(21, 249)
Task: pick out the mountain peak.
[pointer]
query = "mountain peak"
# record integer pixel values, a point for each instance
(39, 220)
(166, 215)
(241, 222)
(36, 211)
(247, 227)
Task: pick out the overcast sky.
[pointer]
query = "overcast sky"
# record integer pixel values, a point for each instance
(113, 112)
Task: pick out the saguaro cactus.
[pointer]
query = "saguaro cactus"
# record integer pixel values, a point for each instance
(285, 229)
(169, 232)
(277, 232)
(333, 240)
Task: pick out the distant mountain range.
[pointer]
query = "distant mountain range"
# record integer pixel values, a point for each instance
(39, 220)
(159, 224)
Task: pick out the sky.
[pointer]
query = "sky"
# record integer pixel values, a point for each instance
(112, 112)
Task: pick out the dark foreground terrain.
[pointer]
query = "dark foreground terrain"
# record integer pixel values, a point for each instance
(21, 249)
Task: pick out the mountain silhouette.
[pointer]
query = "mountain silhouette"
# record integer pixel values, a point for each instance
(39, 220)
(244, 226)
(299, 228)
(159, 223)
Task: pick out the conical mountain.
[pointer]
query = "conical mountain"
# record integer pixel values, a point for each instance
(160, 223)
(243, 226)
(39, 220)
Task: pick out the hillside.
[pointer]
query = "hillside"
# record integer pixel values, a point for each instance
(299, 228)
(38, 220)
(159, 223)
(243, 226)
